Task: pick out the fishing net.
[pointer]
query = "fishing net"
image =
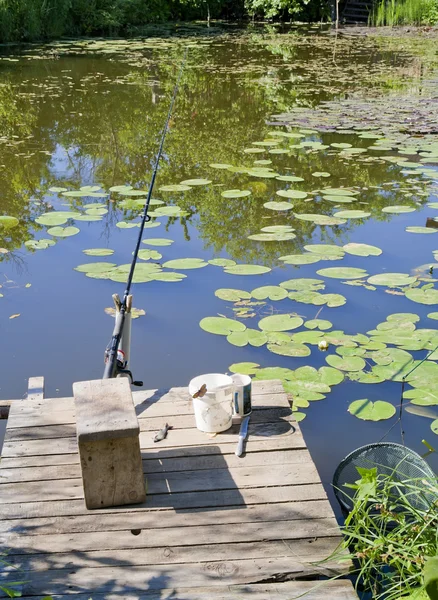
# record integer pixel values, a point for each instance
(390, 459)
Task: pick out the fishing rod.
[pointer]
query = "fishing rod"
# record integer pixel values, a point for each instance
(117, 351)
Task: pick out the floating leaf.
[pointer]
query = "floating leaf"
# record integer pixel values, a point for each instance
(249, 336)
(235, 193)
(291, 178)
(169, 277)
(63, 231)
(423, 296)
(120, 188)
(290, 349)
(338, 192)
(320, 174)
(98, 252)
(352, 214)
(247, 270)
(343, 273)
(57, 190)
(157, 242)
(346, 363)
(278, 229)
(220, 166)
(321, 324)
(272, 237)
(414, 229)
(278, 205)
(146, 254)
(273, 292)
(295, 194)
(392, 279)
(51, 219)
(339, 199)
(245, 368)
(232, 295)
(371, 411)
(191, 182)
(320, 219)
(300, 259)
(222, 262)
(185, 263)
(175, 188)
(96, 212)
(42, 244)
(96, 267)
(221, 325)
(433, 315)
(362, 249)
(398, 209)
(422, 397)
(127, 225)
(280, 323)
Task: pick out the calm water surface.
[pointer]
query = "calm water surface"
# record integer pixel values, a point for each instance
(82, 114)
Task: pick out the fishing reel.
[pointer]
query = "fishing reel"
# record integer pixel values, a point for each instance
(121, 364)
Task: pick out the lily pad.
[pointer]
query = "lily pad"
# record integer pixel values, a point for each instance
(146, 254)
(221, 325)
(249, 336)
(295, 194)
(235, 193)
(185, 263)
(300, 259)
(247, 270)
(232, 295)
(157, 242)
(98, 252)
(127, 225)
(321, 324)
(392, 279)
(433, 315)
(352, 214)
(362, 249)
(222, 262)
(178, 187)
(371, 411)
(42, 244)
(339, 192)
(245, 368)
(278, 205)
(191, 182)
(63, 231)
(290, 349)
(57, 190)
(422, 397)
(423, 296)
(398, 209)
(343, 273)
(346, 363)
(280, 323)
(273, 292)
(272, 237)
(219, 166)
(320, 219)
(51, 219)
(7, 222)
(96, 267)
(415, 229)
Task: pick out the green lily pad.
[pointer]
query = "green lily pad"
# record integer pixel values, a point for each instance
(120, 188)
(247, 270)
(273, 292)
(362, 377)
(352, 214)
(57, 190)
(278, 205)
(7, 222)
(96, 267)
(63, 231)
(235, 193)
(191, 182)
(222, 262)
(339, 192)
(343, 273)
(278, 229)
(414, 229)
(362, 249)
(185, 263)
(245, 368)
(98, 252)
(300, 259)
(127, 225)
(326, 251)
(169, 211)
(294, 194)
(321, 174)
(330, 376)
(307, 337)
(157, 242)
(371, 411)
(42, 244)
(272, 237)
(346, 363)
(232, 295)
(433, 315)
(249, 336)
(280, 323)
(303, 284)
(89, 218)
(321, 324)
(398, 209)
(391, 279)
(178, 187)
(221, 325)
(51, 219)
(146, 254)
(219, 166)
(320, 219)
(275, 373)
(339, 199)
(290, 349)
(422, 397)
(423, 296)
(291, 178)
(168, 277)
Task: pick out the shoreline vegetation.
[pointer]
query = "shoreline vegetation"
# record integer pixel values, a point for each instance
(42, 20)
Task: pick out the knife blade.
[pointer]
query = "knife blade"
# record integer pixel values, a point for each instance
(242, 435)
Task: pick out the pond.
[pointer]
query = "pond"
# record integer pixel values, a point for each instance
(310, 155)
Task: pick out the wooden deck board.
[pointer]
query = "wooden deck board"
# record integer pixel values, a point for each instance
(211, 521)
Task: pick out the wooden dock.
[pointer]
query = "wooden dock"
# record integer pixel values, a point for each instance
(213, 527)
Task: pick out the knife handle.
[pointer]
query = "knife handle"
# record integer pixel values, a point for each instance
(239, 449)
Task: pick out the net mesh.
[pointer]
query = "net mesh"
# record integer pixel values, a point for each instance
(389, 459)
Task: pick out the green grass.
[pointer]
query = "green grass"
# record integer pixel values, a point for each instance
(404, 12)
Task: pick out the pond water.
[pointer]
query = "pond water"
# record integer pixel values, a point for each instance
(90, 113)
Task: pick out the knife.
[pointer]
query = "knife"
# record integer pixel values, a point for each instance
(242, 435)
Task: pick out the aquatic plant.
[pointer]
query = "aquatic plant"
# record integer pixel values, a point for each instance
(405, 12)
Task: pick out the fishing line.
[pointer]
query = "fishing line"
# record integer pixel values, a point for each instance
(111, 350)
(400, 412)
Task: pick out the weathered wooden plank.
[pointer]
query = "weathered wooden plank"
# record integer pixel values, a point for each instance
(270, 432)
(138, 578)
(35, 388)
(300, 552)
(285, 511)
(157, 463)
(147, 423)
(179, 536)
(291, 590)
(217, 499)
